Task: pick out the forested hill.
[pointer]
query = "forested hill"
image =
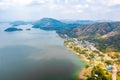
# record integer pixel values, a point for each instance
(104, 29)
(51, 24)
(106, 34)
(54, 24)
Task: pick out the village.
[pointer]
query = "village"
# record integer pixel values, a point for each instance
(107, 62)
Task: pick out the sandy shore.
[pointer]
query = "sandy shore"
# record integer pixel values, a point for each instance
(82, 72)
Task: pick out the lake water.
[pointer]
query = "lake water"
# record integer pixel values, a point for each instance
(36, 55)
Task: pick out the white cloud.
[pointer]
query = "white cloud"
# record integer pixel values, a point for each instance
(112, 2)
(4, 5)
(74, 9)
(79, 8)
(90, 1)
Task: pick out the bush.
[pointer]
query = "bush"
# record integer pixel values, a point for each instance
(109, 62)
(99, 74)
(87, 66)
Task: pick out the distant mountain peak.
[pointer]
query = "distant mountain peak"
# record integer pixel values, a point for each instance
(49, 24)
(50, 20)
(17, 23)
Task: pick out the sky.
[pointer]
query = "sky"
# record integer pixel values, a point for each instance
(30, 10)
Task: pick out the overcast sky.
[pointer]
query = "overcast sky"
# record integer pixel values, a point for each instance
(11, 10)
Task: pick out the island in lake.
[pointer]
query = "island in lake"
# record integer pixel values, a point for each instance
(12, 29)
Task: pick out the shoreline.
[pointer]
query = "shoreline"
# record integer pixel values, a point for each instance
(86, 70)
(80, 55)
(83, 70)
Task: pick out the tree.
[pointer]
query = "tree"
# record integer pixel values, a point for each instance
(109, 62)
(98, 73)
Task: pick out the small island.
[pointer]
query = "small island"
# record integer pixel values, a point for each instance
(12, 29)
(28, 29)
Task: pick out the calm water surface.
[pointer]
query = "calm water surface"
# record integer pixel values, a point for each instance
(36, 55)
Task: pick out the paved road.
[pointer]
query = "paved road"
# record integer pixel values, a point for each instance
(114, 74)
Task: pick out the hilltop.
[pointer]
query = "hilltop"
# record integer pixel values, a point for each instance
(106, 35)
(54, 24)
(49, 24)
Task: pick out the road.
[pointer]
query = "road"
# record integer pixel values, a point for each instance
(114, 72)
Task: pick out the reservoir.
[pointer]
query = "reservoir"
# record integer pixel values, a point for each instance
(36, 55)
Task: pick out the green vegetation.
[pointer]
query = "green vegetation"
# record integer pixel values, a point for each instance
(87, 66)
(92, 55)
(110, 44)
(100, 62)
(99, 74)
(109, 62)
(118, 61)
(95, 33)
(86, 74)
(115, 56)
(82, 37)
(78, 50)
(118, 75)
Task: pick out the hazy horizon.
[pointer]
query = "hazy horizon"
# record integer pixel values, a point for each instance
(31, 10)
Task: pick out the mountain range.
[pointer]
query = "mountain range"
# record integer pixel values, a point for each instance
(17, 23)
(106, 35)
(81, 22)
(53, 24)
